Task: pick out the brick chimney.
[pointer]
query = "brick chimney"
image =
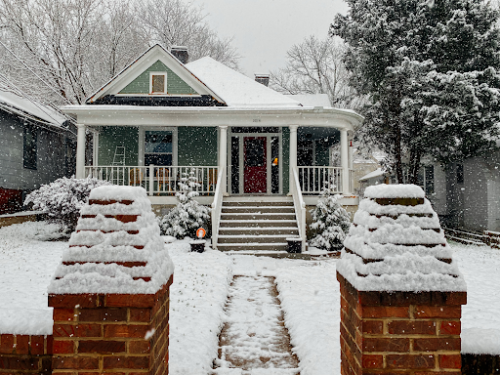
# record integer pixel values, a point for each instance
(181, 53)
(262, 78)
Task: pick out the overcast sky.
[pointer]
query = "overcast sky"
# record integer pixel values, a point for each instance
(263, 30)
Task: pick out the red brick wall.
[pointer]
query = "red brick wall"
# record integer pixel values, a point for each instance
(403, 333)
(10, 200)
(24, 354)
(106, 333)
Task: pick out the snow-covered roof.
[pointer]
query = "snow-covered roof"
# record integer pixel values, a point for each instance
(312, 100)
(236, 89)
(376, 173)
(396, 244)
(134, 69)
(26, 107)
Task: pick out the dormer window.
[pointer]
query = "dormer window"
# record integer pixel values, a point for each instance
(158, 83)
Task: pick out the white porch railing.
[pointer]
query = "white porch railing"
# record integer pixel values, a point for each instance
(312, 179)
(157, 180)
(300, 208)
(217, 206)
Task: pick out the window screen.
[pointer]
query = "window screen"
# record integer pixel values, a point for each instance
(158, 83)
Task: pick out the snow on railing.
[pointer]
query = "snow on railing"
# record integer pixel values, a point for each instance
(312, 179)
(217, 206)
(300, 207)
(155, 179)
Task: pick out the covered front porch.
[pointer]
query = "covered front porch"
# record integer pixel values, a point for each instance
(256, 160)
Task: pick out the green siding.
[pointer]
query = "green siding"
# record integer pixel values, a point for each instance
(285, 134)
(112, 136)
(175, 85)
(197, 146)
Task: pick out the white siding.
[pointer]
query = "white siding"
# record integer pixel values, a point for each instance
(476, 194)
(438, 199)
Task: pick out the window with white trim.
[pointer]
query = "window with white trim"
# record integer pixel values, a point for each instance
(158, 148)
(158, 83)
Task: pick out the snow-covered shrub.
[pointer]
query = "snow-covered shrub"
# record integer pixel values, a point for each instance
(185, 218)
(62, 199)
(330, 221)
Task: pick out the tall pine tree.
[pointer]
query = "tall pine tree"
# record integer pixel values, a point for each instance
(431, 69)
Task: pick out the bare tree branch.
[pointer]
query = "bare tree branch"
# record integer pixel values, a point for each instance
(315, 67)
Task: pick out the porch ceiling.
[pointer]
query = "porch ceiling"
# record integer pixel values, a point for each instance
(109, 115)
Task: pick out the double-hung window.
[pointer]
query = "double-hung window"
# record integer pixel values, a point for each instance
(158, 148)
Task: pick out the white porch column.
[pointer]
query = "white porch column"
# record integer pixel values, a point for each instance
(80, 151)
(95, 148)
(293, 150)
(223, 152)
(344, 157)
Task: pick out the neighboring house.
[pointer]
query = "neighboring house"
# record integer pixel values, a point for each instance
(36, 147)
(162, 117)
(468, 194)
(367, 170)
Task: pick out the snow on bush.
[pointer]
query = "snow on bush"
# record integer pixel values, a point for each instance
(188, 215)
(63, 199)
(330, 221)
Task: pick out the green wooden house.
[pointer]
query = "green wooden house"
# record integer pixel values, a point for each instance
(162, 117)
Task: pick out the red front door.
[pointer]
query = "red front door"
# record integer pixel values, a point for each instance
(255, 171)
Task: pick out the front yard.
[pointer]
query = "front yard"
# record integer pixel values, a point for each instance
(308, 292)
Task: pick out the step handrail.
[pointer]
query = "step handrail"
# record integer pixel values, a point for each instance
(300, 207)
(217, 206)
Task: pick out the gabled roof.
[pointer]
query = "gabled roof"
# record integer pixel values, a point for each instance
(30, 109)
(155, 53)
(236, 89)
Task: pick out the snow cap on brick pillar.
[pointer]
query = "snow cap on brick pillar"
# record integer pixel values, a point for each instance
(396, 244)
(111, 293)
(401, 290)
(116, 248)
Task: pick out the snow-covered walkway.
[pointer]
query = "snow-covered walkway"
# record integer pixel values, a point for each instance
(254, 338)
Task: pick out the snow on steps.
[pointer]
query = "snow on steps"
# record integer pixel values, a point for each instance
(465, 237)
(256, 224)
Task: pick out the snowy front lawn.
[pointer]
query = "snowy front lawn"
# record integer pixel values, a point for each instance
(308, 291)
(28, 262)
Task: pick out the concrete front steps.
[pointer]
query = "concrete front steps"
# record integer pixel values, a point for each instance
(256, 224)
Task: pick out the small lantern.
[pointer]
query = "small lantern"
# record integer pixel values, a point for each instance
(199, 244)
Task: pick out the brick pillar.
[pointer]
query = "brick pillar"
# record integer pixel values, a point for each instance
(110, 333)
(111, 293)
(403, 332)
(401, 291)
(25, 354)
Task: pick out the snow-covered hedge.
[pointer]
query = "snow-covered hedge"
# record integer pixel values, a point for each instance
(185, 218)
(63, 199)
(330, 222)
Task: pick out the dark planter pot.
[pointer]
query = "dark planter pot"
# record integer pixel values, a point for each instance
(198, 246)
(294, 245)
